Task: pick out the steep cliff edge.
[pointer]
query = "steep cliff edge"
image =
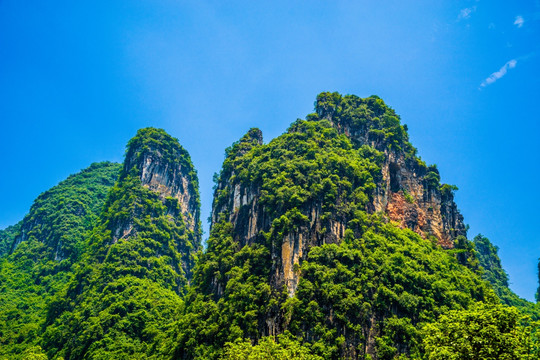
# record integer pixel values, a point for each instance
(158, 182)
(410, 192)
(165, 167)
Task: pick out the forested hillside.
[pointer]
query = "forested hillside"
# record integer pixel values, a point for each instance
(334, 240)
(127, 290)
(41, 251)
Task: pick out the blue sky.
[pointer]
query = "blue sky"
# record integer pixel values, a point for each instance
(77, 79)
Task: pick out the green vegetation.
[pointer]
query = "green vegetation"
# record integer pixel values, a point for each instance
(408, 197)
(483, 332)
(448, 190)
(379, 290)
(370, 116)
(497, 277)
(373, 292)
(55, 228)
(125, 292)
(59, 217)
(7, 237)
(285, 348)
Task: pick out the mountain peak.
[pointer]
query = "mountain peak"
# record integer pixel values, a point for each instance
(410, 192)
(164, 166)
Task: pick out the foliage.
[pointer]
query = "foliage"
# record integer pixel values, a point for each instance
(371, 292)
(267, 348)
(60, 217)
(483, 332)
(7, 237)
(491, 263)
(498, 278)
(372, 114)
(311, 162)
(125, 292)
(33, 273)
(388, 278)
(432, 177)
(112, 272)
(408, 197)
(229, 299)
(448, 190)
(158, 145)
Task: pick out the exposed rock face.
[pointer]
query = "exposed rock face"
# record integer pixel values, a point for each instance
(407, 197)
(242, 207)
(158, 182)
(168, 180)
(408, 192)
(241, 203)
(164, 167)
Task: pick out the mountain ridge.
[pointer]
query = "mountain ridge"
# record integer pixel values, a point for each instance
(333, 240)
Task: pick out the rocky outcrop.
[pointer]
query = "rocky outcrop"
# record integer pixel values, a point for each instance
(240, 204)
(236, 201)
(409, 196)
(170, 179)
(409, 192)
(156, 197)
(165, 168)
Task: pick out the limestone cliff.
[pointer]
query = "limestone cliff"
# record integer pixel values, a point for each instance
(163, 167)
(407, 191)
(141, 255)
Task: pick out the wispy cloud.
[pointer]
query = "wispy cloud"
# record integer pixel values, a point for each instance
(519, 21)
(499, 74)
(466, 13)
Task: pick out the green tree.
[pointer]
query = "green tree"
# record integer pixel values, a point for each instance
(483, 332)
(493, 272)
(285, 348)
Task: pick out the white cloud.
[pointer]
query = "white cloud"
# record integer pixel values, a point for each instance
(519, 21)
(466, 13)
(499, 74)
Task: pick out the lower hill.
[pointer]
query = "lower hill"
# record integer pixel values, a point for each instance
(41, 251)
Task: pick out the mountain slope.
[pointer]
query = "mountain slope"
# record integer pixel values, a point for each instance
(7, 237)
(334, 240)
(45, 245)
(498, 278)
(126, 290)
